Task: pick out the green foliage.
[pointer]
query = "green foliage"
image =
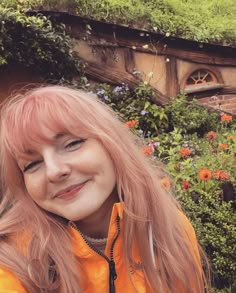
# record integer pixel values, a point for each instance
(206, 202)
(214, 223)
(208, 21)
(19, 4)
(187, 144)
(36, 43)
(190, 117)
(135, 104)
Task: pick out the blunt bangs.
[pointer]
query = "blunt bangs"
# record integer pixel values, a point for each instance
(29, 118)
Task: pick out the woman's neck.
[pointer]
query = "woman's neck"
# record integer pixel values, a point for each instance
(97, 224)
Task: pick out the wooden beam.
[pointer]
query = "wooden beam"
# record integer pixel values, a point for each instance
(128, 37)
(172, 87)
(231, 90)
(129, 60)
(116, 76)
(160, 48)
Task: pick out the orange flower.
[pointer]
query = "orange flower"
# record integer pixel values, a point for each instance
(185, 152)
(226, 118)
(230, 137)
(223, 146)
(221, 175)
(204, 174)
(148, 150)
(166, 184)
(131, 123)
(211, 135)
(185, 185)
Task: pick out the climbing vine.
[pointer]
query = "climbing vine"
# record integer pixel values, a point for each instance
(36, 43)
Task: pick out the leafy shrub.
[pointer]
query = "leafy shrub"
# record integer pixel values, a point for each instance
(204, 179)
(190, 117)
(135, 104)
(36, 43)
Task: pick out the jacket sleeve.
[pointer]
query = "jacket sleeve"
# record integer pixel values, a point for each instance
(9, 283)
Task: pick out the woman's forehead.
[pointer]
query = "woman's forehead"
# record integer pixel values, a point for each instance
(26, 143)
(29, 145)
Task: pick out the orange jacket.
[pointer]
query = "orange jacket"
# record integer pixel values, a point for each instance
(100, 274)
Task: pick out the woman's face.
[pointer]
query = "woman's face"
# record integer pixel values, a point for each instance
(71, 177)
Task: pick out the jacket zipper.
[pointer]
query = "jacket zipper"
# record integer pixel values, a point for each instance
(111, 263)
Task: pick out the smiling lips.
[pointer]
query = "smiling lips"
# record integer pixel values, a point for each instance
(70, 192)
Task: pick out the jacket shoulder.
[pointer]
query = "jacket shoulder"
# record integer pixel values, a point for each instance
(188, 228)
(191, 237)
(9, 283)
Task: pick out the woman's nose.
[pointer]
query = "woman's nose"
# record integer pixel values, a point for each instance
(57, 170)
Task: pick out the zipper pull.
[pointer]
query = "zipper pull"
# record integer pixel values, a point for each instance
(113, 276)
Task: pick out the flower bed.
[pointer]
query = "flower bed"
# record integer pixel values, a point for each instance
(199, 150)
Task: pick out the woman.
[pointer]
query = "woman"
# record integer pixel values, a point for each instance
(82, 210)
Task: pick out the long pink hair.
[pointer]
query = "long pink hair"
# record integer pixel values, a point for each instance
(45, 262)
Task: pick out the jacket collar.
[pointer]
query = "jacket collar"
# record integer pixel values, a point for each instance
(81, 248)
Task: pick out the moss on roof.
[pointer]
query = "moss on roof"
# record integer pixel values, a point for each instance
(210, 21)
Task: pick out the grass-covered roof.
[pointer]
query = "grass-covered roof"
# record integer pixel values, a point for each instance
(211, 21)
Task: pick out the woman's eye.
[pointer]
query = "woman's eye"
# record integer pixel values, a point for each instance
(74, 143)
(30, 165)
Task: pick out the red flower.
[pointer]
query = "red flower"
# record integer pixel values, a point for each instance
(204, 174)
(226, 118)
(211, 135)
(131, 123)
(148, 150)
(221, 175)
(185, 152)
(185, 185)
(223, 146)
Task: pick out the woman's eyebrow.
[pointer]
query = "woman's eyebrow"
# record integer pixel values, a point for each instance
(58, 136)
(27, 155)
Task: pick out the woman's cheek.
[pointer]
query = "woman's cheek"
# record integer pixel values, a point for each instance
(33, 185)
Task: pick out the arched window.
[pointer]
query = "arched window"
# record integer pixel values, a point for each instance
(201, 80)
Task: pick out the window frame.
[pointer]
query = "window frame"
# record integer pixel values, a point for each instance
(216, 83)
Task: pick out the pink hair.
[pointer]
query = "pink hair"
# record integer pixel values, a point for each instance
(23, 121)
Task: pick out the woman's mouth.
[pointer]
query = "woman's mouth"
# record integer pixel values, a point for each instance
(70, 192)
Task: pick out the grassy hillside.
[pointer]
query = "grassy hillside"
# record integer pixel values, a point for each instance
(210, 21)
